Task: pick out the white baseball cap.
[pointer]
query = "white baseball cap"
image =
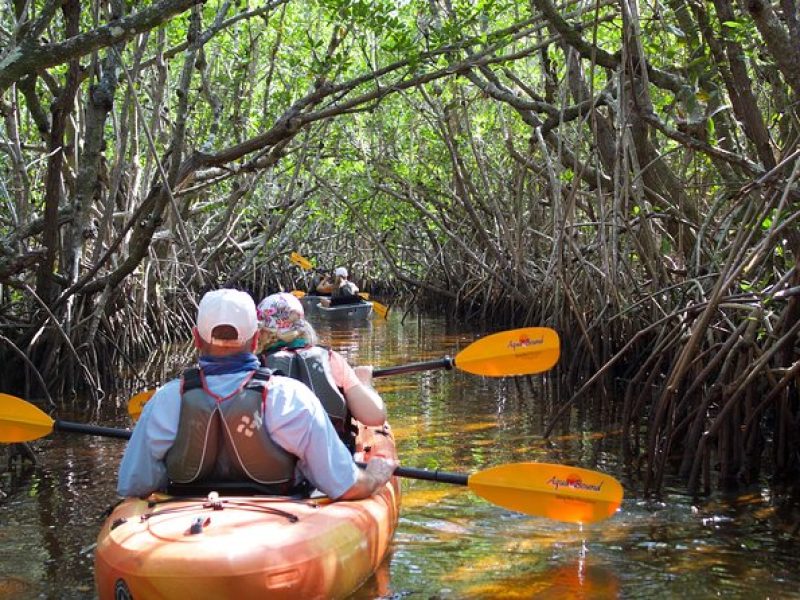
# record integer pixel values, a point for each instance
(340, 271)
(227, 307)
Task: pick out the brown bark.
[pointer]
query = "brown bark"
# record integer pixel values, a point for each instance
(30, 56)
(740, 90)
(784, 50)
(60, 110)
(99, 104)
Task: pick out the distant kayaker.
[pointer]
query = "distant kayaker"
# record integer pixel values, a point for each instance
(288, 343)
(325, 285)
(229, 421)
(341, 289)
(321, 284)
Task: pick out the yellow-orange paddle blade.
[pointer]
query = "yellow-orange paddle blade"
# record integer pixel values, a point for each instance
(297, 293)
(515, 352)
(300, 261)
(381, 309)
(137, 402)
(21, 421)
(559, 492)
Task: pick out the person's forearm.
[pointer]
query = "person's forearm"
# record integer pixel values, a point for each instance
(366, 405)
(366, 485)
(379, 470)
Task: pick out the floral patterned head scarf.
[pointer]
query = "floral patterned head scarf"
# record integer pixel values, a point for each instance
(281, 314)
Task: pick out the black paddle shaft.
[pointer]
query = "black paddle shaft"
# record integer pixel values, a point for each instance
(427, 475)
(428, 365)
(72, 427)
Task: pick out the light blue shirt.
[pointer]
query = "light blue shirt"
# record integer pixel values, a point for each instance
(295, 421)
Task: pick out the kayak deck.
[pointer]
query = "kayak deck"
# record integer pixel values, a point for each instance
(248, 546)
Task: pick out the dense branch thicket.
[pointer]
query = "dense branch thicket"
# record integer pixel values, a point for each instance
(622, 172)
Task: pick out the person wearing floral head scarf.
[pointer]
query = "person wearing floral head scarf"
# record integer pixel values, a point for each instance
(288, 343)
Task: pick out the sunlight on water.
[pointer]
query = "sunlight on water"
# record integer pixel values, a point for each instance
(14, 587)
(450, 544)
(420, 498)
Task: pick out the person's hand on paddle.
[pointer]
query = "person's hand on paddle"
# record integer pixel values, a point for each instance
(381, 469)
(326, 285)
(378, 471)
(364, 374)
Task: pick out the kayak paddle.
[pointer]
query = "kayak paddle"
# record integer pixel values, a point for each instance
(301, 261)
(559, 492)
(509, 353)
(137, 402)
(524, 351)
(21, 421)
(379, 308)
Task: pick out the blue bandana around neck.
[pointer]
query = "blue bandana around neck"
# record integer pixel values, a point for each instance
(235, 363)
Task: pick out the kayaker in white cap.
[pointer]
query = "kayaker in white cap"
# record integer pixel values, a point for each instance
(229, 422)
(289, 343)
(341, 289)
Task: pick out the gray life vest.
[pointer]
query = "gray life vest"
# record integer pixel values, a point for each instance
(312, 366)
(223, 440)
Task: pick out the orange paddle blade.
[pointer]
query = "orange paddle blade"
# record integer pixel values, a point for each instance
(21, 421)
(381, 309)
(300, 261)
(559, 492)
(297, 293)
(515, 352)
(137, 402)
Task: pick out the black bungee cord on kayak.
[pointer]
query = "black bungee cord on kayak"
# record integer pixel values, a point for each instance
(223, 504)
(214, 502)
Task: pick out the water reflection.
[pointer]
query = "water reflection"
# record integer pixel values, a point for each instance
(450, 544)
(51, 516)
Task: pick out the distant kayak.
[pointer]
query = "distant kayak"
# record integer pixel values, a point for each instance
(248, 546)
(360, 311)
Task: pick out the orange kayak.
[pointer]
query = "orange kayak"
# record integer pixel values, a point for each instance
(248, 546)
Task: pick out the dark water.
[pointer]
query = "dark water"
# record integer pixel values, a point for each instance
(449, 543)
